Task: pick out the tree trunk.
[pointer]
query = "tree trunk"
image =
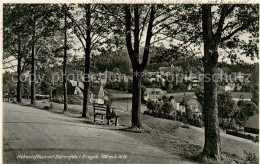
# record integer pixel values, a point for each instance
(32, 68)
(136, 102)
(210, 110)
(87, 62)
(212, 136)
(86, 84)
(18, 87)
(64, 65)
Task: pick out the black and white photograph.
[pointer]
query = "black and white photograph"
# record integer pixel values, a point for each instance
(149, 82)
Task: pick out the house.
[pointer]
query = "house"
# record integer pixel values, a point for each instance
(163, 70)
(171, 69)
(73, 88)
(194, 83)
(194, 104)
(252, 124)
(154, 94)
(230, 86)
(97, 94)
(180, 100)
(151, 74)
(177, 103)
(244, 96)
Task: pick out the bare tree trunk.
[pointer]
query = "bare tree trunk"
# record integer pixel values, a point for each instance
(64, 65)
(212, 136)
(32, 67)
(134, 56)
(136, 102)
(87, 62)
(18, 87)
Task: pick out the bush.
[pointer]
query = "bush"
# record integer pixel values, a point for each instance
(46, 108)
(167, 108)
(185, 126)
(171, 117)
(148, 112)
(76, 100)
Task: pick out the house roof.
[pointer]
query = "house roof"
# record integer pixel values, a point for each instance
(242, 95)
(252, 122)
(178, 97)
(76, 84)
(152, 73)
(150, 90)
(164, 68)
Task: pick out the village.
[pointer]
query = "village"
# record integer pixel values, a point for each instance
(157, 92)
(130, 83)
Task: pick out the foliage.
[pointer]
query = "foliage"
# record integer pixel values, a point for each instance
(167, 108)
(246, 110)
(130, 86)
(117, 85)
(225, 105)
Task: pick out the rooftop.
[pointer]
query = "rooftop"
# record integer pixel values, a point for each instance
(252, 122)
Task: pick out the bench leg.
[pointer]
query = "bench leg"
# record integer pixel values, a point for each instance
(116, 121)
(108, 121)
(102, 118)
(94, 118)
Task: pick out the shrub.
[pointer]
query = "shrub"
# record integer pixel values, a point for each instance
(167, 108)
(74, 100)
(185, 126)
(46, 108)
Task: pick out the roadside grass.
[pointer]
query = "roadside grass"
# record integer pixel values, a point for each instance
(179, 139)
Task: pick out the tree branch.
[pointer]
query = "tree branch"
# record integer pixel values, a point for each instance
(224, 13)
(148, 39)
(241, 28)
(128, 34)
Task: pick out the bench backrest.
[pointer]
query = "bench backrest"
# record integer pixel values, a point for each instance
(100, 108)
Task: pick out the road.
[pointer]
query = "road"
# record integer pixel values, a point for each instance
(31, 135)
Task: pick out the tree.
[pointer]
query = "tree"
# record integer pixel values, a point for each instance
(223, 33)
(144, 26)
(134, 56)
(91, 29)
(16, 42)
(65, 9)
(226, 106)
(38, 20)
(246, 110)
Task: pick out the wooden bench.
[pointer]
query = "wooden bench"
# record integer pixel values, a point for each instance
(7, 98)
(102, 110)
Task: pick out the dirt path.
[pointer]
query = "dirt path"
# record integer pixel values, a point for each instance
(57, 139)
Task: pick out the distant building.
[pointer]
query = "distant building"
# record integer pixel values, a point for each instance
(194, 84)
(177, 103)
(230, 86)
(252, 124)
(153, 94)
(194, 105)
(191, 101)
(97, 94)
(73, 88)
(244, 96)
(171, 69)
